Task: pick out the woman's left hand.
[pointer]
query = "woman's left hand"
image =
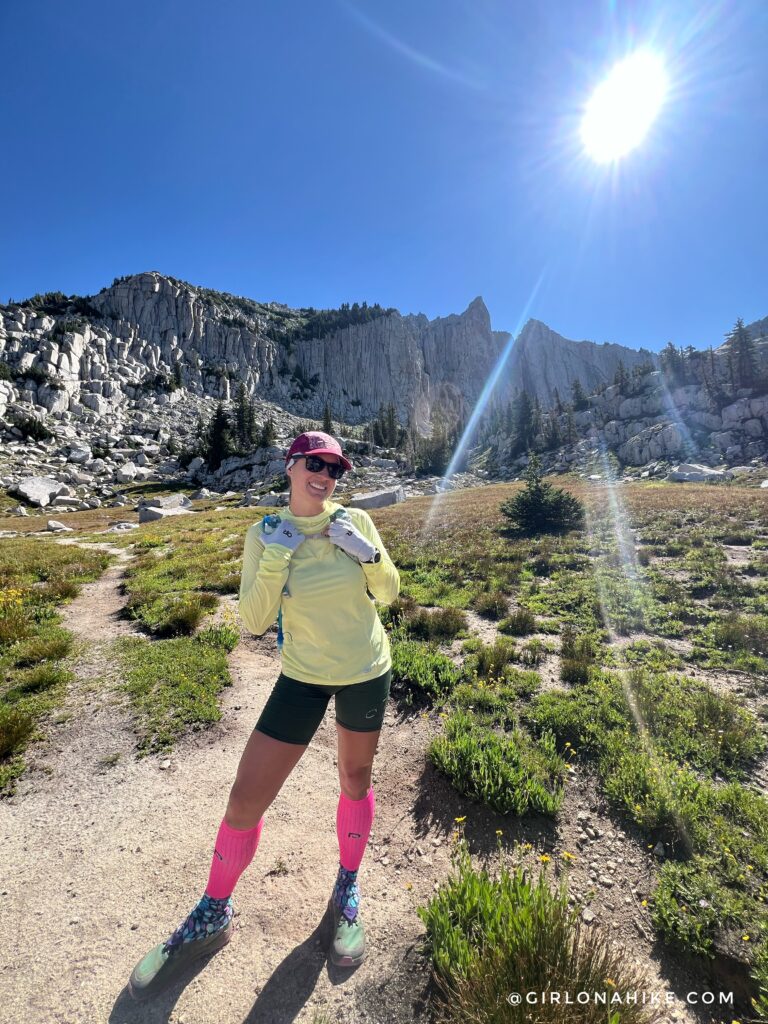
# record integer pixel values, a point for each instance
(345, 535)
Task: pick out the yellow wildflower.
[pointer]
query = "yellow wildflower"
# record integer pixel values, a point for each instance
(460, 820)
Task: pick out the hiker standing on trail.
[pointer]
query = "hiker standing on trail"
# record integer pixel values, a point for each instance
(317, 567)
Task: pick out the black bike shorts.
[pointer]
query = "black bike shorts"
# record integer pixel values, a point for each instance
(294, 710)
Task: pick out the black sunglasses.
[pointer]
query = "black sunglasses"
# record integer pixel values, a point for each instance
(316, 465)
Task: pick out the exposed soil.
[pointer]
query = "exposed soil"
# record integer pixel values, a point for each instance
(104, 854)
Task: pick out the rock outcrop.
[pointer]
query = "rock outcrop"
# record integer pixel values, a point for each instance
(112, 387)
(543, 362)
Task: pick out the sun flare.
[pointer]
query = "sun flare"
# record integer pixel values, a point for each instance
(624, 106)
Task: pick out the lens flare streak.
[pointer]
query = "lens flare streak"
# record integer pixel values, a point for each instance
(481, 404)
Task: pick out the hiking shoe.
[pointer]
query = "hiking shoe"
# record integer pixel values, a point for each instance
(347, 947)
(162, 966)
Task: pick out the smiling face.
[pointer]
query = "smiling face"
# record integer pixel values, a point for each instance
(309, 490)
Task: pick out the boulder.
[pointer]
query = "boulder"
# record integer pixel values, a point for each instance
(55, 400)
(56, 527)
(195, 465)
(753, 427)
(150, 514)
(166, 501)
(126, 473)
(65, 502)
(39, 490)
(79, 454)
(377, 499)
(274, 500)
(693, 473)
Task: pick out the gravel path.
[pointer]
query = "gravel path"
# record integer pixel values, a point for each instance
(103, 854)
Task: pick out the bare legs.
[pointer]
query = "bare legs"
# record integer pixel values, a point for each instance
(264, 766)
(356, 751)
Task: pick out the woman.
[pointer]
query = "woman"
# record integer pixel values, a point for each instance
(320, 567)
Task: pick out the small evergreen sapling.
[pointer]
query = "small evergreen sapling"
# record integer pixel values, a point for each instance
(540, 507)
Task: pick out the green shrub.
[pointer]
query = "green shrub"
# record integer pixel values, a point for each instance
(491, 604)
(577, 656)
(224, 635)
(540, 507)
(31, 428)
(490, 659)
(33, 373)
(495, 703)
(5, 371)
(513, 774)
(393, 614)
(34, 680)
(489, 937)
(441, 624)
(15, 729)
(532, 653)
(171, 614)
(419, 669)
(521, 622)
(47, 647)
(742, 633)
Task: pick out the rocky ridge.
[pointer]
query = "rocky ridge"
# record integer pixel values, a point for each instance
(121, 385)
(543, 362)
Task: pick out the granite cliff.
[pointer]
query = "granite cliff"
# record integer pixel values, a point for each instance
(119, 380)
(543, 362)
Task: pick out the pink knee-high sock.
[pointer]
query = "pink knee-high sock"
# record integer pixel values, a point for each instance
(233, 853)
(353, 826)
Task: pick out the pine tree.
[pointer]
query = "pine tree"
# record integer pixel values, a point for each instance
(570, 426)
(540, 507)
(740, 341)
(392, 429)
(327, 421)
(220, 443)
(433, 454)
(523, 421)
(267, 436)
(671, 360)
(558, 402)
(621, 377)
(254, 432)
(552, 434)
(578, 395)
(243, 422)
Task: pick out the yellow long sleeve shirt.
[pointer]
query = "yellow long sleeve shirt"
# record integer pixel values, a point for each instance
(332, 633)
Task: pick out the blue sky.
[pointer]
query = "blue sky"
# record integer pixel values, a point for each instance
(415, 154)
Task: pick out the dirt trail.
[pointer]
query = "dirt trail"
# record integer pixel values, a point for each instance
(104, 854)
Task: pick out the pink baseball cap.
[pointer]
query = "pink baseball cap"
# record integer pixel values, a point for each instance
(315, 442)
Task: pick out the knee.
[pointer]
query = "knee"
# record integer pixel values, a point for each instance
(243, 808)
(355, 780)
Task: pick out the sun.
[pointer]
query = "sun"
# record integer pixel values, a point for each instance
(624, 106)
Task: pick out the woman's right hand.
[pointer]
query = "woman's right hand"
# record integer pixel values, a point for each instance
(284, 534)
